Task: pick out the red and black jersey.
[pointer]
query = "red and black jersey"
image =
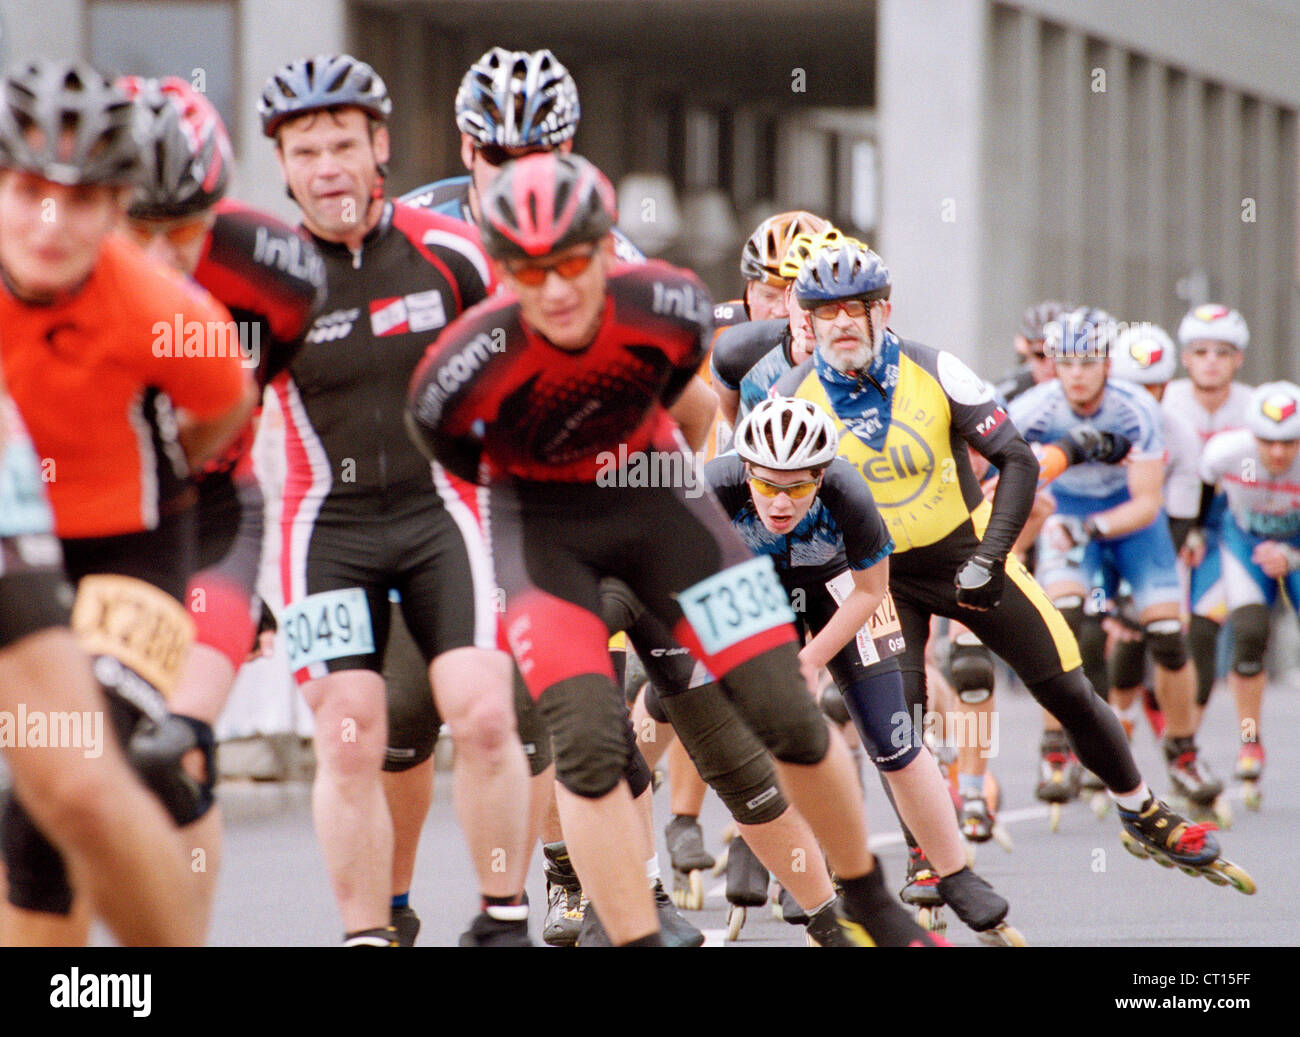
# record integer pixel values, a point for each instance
(493, 397)
(344, 395)
(272, 281)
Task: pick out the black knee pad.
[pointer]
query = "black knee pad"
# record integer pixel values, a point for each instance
(769, 693)
(531, 725)
(1203, 642)
(589, 733)
(1166, 643)
(38, 880)
(971, 666)
(1092, 650)
(155, 751)
(1128, 664)
(1249, 639)
(413, 720)
(728, 756)
(914, 690)
(619, 607)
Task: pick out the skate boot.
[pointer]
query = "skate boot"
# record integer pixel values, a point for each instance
(786, 909)
(407, 923)
(747, 882)
(1058, 781)
(674, 930)
(382, 937)
(490, 929)
(978, 904)
(823, 928)
(690, 861)
(1250, 768)
(872, 918)
(1094, 789)
(975, 819)
(564, 900)
(1195, 789)
(1172, 841)
(921, 890)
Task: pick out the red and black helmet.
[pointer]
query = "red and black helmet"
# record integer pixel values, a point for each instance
(184, 148)
(543, 203)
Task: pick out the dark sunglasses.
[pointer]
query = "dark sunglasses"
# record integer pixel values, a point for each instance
(495, 155)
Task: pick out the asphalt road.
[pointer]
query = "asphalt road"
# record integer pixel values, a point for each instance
(1077, 887)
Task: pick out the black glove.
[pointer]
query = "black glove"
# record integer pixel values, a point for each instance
(979, 582)
(1085, 443)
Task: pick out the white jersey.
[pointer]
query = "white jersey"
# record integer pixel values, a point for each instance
(1261, 503)
(1180, 398)
(1182, 476)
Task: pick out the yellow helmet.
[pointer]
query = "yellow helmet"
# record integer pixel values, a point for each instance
(766, 247)
(805, 246)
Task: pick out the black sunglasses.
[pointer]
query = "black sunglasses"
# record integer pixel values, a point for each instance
(496, 155)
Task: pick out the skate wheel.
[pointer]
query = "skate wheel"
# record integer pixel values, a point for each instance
(1100, 804)
(1053, 817)
(1134, 845)
(1222, 812)
(1234, 874)
(690, 898)
(1250, 795)
(1003, 838)
(720, 863)
(931, 919)
(1162, 860)
(970, 855)
(1002, 935)
(735, 922)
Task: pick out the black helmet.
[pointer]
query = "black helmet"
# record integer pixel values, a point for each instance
(67, 123)
(323, 81)
(184, 149)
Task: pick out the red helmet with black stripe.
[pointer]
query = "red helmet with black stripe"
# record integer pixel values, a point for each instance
(544, 203)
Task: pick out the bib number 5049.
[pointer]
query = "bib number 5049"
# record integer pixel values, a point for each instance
(329, 625)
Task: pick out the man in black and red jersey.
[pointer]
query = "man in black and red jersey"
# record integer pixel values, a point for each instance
(364, 514)
(271, 280)
(552, 394)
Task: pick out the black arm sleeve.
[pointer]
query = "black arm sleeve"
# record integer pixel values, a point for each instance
(1178, 530)
(1014, 497)
(1207, 499)
(459, 455)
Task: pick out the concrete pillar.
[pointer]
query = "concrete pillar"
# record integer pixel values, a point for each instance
(932, 64)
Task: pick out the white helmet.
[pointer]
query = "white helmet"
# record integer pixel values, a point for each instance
(1214, 322)
(1273, 412)
(787, 434)
(1143, 353)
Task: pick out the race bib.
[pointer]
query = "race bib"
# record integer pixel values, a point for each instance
(737, 603)
(328, 625)
(882, 636)
(142, 627)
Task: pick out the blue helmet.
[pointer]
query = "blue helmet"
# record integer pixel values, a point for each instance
(518, 99)
(846, 270)
(320, 82)
(1084, 334)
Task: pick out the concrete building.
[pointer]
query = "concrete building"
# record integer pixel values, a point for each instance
(1141, 157)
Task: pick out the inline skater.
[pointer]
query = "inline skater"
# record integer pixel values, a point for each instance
(791, 498)
(81, 308)
(902, 408)
(364, 514)
(84, 797)
(271, 280)
(1259, 470)
(1030, 344)
(1213, 340)
(509, 104)
(593, 353)
(1110, 526)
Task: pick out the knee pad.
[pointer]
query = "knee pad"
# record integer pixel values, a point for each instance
(1092, 650)
(589, 729)
(37, 878)
(971, 665)
(619, 607)
(1166, 642)
(1249, 639)
(1128, 664)
(637, 772)
(533, 733)
(768, 692)
(914, 692)
(728, 756)
(155, 750)
(654, 705)
(413, 725)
